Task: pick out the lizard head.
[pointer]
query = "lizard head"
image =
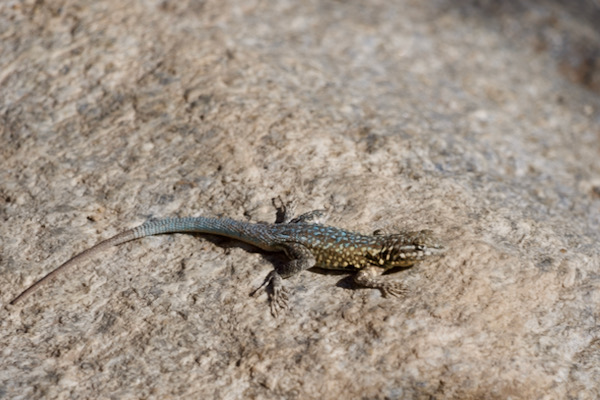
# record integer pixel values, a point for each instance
(406, 248)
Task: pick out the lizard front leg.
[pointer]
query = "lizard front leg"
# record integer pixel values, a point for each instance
(370, 277)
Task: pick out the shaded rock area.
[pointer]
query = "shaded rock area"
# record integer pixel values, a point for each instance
(478, 121)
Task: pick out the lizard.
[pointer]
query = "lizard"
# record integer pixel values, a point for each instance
(307, 244)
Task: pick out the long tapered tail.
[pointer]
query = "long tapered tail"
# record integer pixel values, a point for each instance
(220, 226)
(113, 241)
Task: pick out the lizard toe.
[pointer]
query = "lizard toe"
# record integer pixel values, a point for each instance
(278, 300)
(393, 289)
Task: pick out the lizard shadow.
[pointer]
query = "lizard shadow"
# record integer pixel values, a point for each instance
(276, 258)
(347, 281)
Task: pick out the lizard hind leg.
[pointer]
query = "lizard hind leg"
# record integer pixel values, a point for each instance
(370, 277)
(285, 214)
(301, 259)
(285, 211)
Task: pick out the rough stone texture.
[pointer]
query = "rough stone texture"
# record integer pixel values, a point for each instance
(477, 120)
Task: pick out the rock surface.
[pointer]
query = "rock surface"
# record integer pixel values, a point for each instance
(481, 122)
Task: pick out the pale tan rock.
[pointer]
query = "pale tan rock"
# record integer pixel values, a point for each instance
(479, 122)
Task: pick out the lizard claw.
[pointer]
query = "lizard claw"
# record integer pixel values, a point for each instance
(259, 289)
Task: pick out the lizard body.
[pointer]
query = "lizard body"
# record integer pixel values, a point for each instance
(306, 244)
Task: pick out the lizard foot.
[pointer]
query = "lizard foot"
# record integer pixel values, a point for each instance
(285, 211)
(277, 293)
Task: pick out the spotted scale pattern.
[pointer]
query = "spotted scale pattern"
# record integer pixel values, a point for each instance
(335, 248)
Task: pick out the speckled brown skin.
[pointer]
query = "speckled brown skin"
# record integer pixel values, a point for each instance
(306, 244)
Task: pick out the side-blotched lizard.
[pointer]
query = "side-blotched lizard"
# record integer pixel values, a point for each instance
(306, 244)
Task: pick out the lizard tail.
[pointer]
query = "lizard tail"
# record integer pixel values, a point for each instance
(223, 227)
(113, 241)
